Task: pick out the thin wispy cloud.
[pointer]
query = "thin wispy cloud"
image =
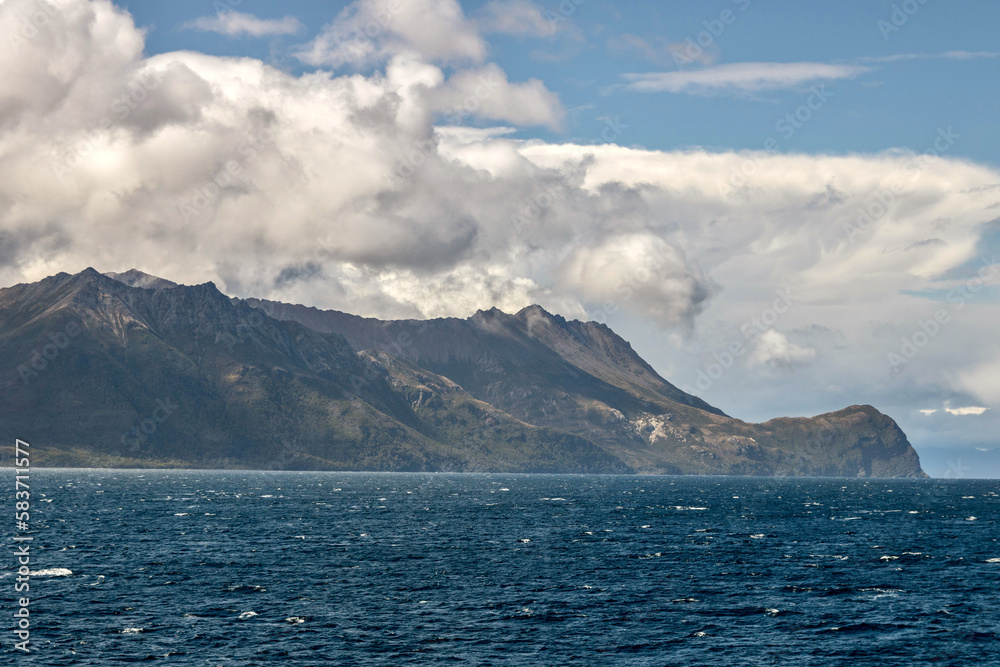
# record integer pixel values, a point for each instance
(947, 55)
(962, 412)
(740, 77)
(239, 24)
(518, 17)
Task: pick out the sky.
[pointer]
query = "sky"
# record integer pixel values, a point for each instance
(785, 207)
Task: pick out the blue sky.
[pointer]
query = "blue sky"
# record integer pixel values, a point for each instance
(896, 104)
(509, 152)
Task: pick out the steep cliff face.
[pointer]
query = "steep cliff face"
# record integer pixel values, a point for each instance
(129, 369)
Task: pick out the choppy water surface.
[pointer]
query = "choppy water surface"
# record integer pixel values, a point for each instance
(210, 568)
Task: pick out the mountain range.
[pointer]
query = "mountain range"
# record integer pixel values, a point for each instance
(131, 370)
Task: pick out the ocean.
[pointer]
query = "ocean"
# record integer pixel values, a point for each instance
(252, 568)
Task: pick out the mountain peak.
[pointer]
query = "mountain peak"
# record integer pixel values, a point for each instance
(534, 310)
(137, 278)
(492, 312)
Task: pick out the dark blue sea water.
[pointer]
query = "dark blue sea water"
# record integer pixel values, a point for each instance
(224, 568)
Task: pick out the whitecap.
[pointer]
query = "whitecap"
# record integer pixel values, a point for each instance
(132, 631)
(684, 508)
(181, 514)
(889, 558)
(267, 496)
(993, 560)
(524, 540)
(248, 614)
(52, 572)
(757, 536)
(295, 620)
(971, 518)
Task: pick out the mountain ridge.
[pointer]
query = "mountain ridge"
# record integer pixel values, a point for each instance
(87, 358)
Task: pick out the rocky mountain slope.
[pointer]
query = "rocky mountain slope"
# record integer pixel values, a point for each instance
(129, 369)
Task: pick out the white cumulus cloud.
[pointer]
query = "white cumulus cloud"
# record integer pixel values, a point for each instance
(370, 31)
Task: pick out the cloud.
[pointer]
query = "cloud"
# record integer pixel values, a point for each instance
(486, 93)
(627, 43)
(969, 55)
(753, 76)
(517, 17)
(640, 270)
(962, 412)
(235, 24)
(740, 77)
(948, 55)
(959, 412)
(371, 32)
(982, 380)
(774, 349)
